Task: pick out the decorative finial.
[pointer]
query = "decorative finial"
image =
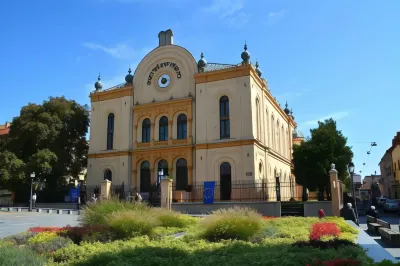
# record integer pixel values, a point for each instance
(245, 55)
(129, 77)
(98, 85)
(287, 111)
(257, 63)
(245, 46)
(202, 63)
(258, 71)
(99, 78)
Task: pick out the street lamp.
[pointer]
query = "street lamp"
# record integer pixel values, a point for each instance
(30, 202)
(351, 171)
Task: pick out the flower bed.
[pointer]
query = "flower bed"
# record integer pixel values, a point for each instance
(137, 235)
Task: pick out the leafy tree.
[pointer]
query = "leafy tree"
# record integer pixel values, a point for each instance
(11, 169)
(51, 139)
(312, 159)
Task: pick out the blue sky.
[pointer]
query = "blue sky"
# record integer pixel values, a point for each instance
(335, 59)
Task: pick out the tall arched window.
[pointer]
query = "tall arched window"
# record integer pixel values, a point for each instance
(273, 132)
(224, 124)
(108, 175)
(145, 181)
(181, 174)
(258, 136)
(110, 132)
(278, 137)
(283, 141)
(146, 130)
(225, 179)
(182, 126)
(163, 127)
(162, 170)
(267, 136)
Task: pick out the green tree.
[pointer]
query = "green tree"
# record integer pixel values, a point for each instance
(51, 139)
(11, 169)
(312, 159)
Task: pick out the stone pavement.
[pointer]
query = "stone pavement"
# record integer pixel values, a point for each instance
(391, 218)
(17, 222)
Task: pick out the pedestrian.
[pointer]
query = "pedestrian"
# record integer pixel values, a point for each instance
(94, 199)
(349, 213)
(321, 213)
(34, 197)
(373, 212)
(138, 197)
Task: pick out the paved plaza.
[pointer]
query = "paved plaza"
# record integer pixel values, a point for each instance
(17, 222)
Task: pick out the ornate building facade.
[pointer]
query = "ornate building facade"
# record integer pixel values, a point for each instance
(193, 121)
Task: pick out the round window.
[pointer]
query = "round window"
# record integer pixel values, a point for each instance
(164, 80)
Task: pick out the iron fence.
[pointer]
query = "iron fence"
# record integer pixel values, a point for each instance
(244, 191)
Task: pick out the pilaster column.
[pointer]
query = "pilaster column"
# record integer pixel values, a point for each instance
(134, 179)
(190, 129)
(170, 122)
(190, 175)
(152, 134)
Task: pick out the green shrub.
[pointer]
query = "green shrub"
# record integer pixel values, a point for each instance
(20, 239)
(169, 218)
(97, 213)
(344, 227)
(14, 256)
(143, 251)
(233, 223)
(42, 237)
(50, 244)
(132, 223)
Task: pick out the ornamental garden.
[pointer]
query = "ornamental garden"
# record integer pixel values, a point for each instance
(119, 233)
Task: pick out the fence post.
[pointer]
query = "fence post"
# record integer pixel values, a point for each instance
(278, 189)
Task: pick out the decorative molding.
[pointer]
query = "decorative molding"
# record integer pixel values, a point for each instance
(111, 94)
(108, 154)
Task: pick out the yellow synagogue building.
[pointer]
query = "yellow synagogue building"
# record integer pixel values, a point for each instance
(193, 121)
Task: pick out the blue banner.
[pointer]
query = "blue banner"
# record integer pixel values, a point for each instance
(208, 196)
(74, 193)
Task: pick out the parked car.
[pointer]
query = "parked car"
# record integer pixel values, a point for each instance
(381, 201)
(390, 205)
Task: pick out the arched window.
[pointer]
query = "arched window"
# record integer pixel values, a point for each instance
(162, 170)
(181, 174)
(182, 126)
(225, 179)
(163, 134)
(267, 136)
(108, 175)
(224, 124)
(283, 141)
(278, 137)
(145, 182)
(273, 132)
(146, 130)
(110, 132)
(258, 136)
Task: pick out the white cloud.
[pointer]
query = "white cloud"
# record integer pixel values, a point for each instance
(274, 17)
(230, 11)
(118, 51)
(334, 116)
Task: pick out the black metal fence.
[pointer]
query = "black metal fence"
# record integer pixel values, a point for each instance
(244, 191)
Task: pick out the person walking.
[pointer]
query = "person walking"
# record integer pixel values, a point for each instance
(349, 213)
(138, 197)
(34, 197)
(321, 213)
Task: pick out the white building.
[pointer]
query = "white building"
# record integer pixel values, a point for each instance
(195, 121)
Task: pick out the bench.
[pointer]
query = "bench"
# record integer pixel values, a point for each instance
(390, 237)
(371, 219)
(374, 227)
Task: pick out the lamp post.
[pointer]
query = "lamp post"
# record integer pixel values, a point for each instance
(30, 201)
(351, 171)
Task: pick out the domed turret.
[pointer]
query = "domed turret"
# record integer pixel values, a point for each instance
(259, 72)
(129, 77)
(202, 63)
(98, 85)
(245, 55)
(287, 111)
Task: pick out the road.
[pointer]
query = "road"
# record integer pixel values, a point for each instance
(17, 222)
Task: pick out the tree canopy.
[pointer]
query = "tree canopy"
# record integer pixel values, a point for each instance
(313, 158)
(48, 139)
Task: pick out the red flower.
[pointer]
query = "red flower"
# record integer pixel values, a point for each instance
(268, 217)
(44, 229)
(321, 213)
(319, 230)
(337, 262)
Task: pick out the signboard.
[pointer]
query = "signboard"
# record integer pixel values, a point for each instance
(172, 65)
(208, 194)
(74, 193)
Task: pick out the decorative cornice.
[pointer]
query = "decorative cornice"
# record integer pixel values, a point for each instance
(112, 94)
(108, 154)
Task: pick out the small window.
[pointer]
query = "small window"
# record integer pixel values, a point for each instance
(224, 122)
(146, 130)
(163, 133)
(182, 126)
(110, 131)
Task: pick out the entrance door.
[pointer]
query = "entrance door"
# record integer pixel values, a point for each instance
(225, 178)
(145, 183)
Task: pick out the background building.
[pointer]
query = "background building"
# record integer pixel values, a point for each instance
(194, 121)
(387, 180)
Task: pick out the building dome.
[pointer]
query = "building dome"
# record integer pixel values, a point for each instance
(129, 77)
(259, 72)
(287, 111)
(202, 63)
(297, 134)
(98, 85)
(245, 55)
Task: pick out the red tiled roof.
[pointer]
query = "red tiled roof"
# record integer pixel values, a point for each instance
(4, 131)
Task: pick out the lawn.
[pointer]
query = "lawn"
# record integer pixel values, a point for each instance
(115, 233)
